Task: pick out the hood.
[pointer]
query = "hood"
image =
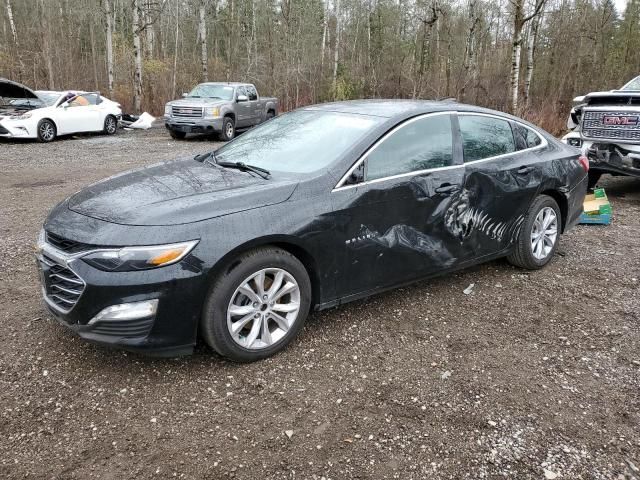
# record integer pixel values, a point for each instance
(178, 192)
(614, 97)
(190, 101)
(9, 89)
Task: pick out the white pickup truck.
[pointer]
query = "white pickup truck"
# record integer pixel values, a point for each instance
(606, 126)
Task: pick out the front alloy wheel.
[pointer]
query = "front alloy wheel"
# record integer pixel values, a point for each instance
(257, 306)
(46, 131)
(110, 125)
(263, 308)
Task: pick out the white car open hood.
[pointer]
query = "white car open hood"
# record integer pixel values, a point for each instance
(10, 89)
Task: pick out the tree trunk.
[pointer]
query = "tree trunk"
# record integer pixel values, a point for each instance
(109, 19)
(14, 35)
(137, 52)
(531, 52)
(336, 55)
(175, 52)
(202, 37)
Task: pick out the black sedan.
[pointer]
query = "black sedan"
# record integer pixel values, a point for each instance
(313, 209)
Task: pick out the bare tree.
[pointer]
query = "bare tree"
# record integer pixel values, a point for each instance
(531, 52)
(336, 53)
(519, 21)
(108, 12)
(14, 36)
(202, 38)
(137, 52)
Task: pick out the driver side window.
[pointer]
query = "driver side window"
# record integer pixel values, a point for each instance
(419, 144)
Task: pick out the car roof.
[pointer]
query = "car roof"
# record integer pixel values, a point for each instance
(229, 84)
(389, 108)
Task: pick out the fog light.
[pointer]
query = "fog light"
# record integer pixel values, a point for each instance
(127, 311)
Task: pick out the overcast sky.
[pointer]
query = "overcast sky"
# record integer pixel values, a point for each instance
(620, 4)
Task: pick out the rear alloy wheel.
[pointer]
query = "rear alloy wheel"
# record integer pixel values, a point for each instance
(228, 129)
(46, 131)
(539, 235)
(110, 125)
(257, 308)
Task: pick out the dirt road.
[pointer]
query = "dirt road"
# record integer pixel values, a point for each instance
(532, 375)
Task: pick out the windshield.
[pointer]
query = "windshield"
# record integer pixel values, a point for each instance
(21, 103)
(204, 90)
(302, 141)
(633, 84)
(48, 98)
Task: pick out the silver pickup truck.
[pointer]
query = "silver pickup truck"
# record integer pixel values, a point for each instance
(218, 108)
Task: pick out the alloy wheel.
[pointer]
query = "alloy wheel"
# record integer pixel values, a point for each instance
(544, 233)
(46, 131)
(229, 130)
(263, 308)
(111, 125)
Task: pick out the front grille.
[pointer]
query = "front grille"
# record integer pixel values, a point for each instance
(186, 112)
(66, 245)
(593, 126)
(62, 286)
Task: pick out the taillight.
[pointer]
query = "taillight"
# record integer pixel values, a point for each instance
(584, 162)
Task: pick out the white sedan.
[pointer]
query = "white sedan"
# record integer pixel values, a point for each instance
(46, 115)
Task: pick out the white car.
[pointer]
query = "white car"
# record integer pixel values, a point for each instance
(46, 115)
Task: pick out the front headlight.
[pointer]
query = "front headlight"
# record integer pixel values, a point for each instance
(24, 116)
(167, 110)
(129, 259)
(213, 112)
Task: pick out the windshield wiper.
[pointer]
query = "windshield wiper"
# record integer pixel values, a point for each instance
(210, 158)
(245, 168)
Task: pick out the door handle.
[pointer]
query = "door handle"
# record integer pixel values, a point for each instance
(525, 170)
(446, 188)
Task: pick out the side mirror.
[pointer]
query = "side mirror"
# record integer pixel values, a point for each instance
(185, 95)
(242, 98)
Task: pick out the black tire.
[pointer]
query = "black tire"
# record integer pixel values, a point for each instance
(594, 177)
(177, 135)
(522, 255)
(47, 131)
(228, 129)
(110, 125)
(270, 115)
(213, 325)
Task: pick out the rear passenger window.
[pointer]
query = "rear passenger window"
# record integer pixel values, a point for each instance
(419, 144)
(485, 137)
(525, 137)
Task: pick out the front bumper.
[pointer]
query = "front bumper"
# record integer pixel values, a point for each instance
(16, 129)
(612, 158)
(171, 331)
(204, 125)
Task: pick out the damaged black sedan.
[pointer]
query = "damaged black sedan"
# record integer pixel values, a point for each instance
(315, 208)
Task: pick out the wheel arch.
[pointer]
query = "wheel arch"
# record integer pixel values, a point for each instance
(231, 115)
(51, 120)
(563, 203)
(290, 244)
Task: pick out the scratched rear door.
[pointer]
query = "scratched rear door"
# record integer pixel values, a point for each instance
(502, 177)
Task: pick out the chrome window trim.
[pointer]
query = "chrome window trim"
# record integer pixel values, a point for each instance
(542, 145)
(340, 185)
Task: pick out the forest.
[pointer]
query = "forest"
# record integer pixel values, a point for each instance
(528, 57)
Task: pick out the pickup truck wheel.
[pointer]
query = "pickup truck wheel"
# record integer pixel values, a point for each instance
(539, 235)
(110, 125)
(177, 135)
(255, 309)
(228, 129)
(270, 115)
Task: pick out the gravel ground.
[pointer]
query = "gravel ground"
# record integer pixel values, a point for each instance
(532, 375)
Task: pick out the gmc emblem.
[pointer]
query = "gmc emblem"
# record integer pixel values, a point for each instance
(620, 120)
